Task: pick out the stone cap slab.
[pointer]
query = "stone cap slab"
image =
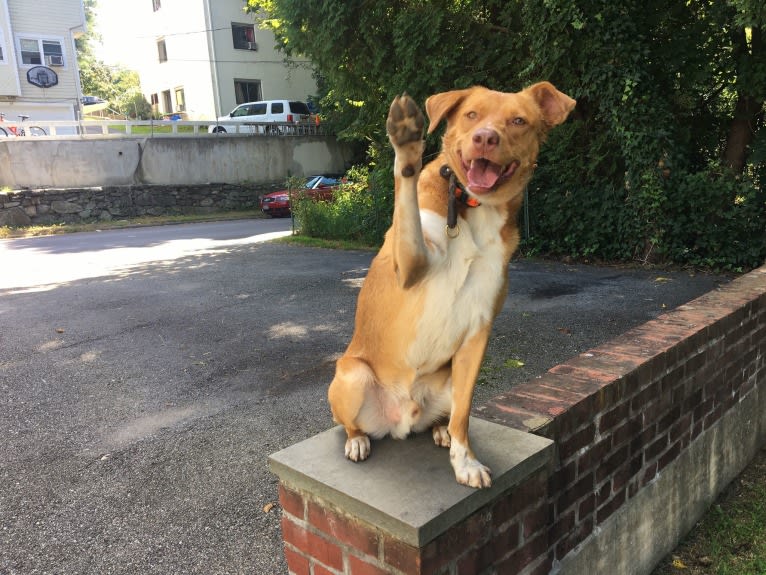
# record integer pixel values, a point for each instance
(407, 488)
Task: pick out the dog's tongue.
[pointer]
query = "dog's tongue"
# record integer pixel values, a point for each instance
(483, 175)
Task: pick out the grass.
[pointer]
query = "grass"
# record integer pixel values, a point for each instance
(329, 244)
(147, 130)
(731, 538)
(53, 229)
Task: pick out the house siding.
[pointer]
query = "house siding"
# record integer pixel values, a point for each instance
(202, 60)
(56, 20)
(9, 84)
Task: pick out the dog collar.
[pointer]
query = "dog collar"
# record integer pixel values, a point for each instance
(456, 193)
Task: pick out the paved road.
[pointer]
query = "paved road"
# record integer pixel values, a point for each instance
(147, 374)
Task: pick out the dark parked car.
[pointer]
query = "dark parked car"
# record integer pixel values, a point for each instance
(277, 204)
(90, 100)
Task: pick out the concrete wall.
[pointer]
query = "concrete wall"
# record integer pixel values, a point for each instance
(648, 429)
(112, 161)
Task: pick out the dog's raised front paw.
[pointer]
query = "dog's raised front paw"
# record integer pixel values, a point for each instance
(405, 121)
(358, 448)
(405, 131)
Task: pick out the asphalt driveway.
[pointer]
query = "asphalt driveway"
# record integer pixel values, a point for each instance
(138, 407)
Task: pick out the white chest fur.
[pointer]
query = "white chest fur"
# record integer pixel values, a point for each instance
(467, 273)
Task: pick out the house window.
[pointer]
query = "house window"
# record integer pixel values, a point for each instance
(38, 52)
(156, 5)
(162, 51)
(244, 36)
(30, 52)
(2, 56)
(180, 100)
(167, 103)
(247, 91)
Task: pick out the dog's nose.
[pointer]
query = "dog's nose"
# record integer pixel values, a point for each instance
(485, 139)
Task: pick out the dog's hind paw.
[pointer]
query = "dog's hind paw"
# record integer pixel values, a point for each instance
(358, 448)
(441, 435)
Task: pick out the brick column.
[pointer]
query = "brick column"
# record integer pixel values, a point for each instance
(402, 513)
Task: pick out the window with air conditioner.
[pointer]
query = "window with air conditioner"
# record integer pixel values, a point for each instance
(243, 36)
(41, 52)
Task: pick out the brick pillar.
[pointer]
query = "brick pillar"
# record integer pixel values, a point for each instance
(402, 513)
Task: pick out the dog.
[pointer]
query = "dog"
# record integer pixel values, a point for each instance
(427, 305)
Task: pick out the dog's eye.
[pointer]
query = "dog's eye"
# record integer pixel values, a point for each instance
(518, 121)
(472, 115)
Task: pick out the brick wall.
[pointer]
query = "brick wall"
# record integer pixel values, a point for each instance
(622, 412)
(619, 414)
(321, 539)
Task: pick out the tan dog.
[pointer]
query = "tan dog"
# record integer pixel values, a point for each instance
(427, 306)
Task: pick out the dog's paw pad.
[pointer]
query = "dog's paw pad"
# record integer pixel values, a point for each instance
(441, 435)
(405, 121)
(358, 448)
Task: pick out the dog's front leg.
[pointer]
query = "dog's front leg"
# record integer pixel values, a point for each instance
(465, 369)
(405, 132)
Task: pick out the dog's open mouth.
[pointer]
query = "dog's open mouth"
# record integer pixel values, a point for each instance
(484, 176)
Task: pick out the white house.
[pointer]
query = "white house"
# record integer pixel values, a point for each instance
(203, 57)
(39, 76)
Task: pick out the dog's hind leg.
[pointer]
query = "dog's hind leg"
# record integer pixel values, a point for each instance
(405, 132)
(347, 394)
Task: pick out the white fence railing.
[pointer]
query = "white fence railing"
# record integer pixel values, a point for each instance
(154, 128)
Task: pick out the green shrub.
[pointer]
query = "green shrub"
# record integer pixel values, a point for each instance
(705, 219)
(712, 220)
(360, 210)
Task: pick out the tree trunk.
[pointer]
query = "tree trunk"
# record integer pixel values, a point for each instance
(748, 112)
(741, 132)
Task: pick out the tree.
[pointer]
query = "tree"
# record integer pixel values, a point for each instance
(119, 86)
(749, 55)
(670, 97)
(367, 52)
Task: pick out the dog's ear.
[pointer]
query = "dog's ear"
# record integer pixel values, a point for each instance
(439, 106)
(554, 105)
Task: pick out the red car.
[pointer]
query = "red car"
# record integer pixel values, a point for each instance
(277, 204)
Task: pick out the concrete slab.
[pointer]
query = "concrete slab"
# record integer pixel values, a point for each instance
(407, 488)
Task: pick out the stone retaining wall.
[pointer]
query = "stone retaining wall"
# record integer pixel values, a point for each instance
(51, 206)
